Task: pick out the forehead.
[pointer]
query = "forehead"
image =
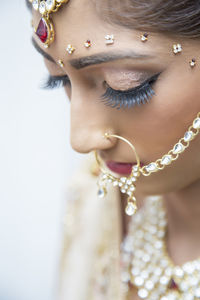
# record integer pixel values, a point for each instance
(78, 21)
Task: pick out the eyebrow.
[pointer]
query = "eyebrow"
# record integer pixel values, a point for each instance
(80, 63)
(83, 62)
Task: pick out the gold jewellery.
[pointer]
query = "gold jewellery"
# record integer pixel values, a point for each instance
(177, 48)
(109, 39)
(145, 263)
(70, 49)
(192, 63)
(144, 37)
(45, 30)
(127, 184)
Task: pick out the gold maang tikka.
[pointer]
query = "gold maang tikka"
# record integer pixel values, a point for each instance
(127, 184)
(45, 30)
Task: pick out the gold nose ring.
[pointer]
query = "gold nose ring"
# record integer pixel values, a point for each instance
(126, 184)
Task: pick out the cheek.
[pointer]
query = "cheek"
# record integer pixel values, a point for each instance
(157, 126)
(173, 111)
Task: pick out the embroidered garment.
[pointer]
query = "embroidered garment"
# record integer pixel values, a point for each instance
(90, 264)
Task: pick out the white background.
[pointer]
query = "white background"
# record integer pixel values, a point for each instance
(35, 164)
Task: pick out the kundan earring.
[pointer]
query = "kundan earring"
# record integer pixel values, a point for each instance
(45, 30)
(126, 184)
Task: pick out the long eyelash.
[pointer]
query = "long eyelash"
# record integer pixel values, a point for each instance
(141, 94)
(54, 82)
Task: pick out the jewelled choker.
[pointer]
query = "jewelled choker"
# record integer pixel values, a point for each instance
(146, 264)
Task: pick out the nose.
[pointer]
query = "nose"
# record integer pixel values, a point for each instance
(89, 123)
(89, 139)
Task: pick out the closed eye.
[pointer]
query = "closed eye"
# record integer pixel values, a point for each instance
(131, 97)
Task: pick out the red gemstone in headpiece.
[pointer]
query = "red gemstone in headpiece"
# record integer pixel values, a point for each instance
(42, 31)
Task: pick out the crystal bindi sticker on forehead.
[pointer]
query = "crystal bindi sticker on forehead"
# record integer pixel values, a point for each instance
(45, 30)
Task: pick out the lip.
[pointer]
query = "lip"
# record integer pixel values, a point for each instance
(120, 168)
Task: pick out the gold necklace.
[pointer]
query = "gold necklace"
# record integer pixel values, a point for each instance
(145, 263)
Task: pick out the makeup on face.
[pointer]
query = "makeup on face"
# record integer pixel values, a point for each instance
(122, 79)
(121, 168)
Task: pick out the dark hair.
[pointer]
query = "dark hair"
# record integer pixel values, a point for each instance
(175, 17)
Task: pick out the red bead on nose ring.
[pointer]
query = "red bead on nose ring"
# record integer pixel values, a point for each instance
(126, 184)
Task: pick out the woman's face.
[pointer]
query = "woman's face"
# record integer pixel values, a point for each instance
(152, 127)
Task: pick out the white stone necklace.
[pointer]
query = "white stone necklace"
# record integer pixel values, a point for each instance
(145, 263)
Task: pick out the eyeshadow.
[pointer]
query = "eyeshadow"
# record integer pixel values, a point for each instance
(125, 79)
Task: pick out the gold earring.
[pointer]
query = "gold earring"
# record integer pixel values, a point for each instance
(126, 184)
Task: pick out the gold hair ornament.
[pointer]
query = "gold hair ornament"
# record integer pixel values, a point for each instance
(45, 30)
(127, 184)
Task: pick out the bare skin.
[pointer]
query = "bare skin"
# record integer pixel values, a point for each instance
(153, 128)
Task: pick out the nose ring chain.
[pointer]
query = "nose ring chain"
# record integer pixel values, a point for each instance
(127, 185)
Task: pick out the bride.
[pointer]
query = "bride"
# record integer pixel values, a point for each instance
(131, 71)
